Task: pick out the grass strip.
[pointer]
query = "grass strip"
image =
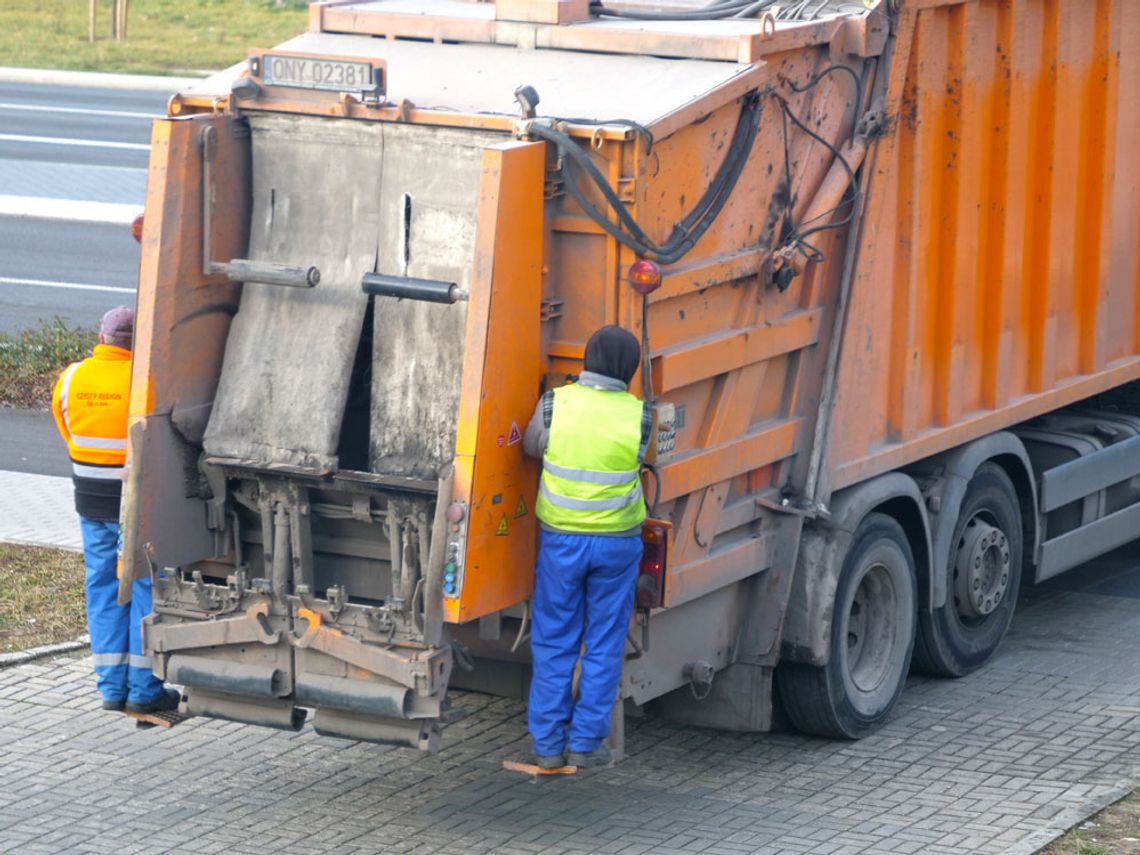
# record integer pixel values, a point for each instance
(41, 596)
(182, 37)
(32, 359)
(1113, 831)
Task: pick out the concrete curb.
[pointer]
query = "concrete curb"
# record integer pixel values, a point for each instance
(96, 80)
(1069, 819)
(22, 657)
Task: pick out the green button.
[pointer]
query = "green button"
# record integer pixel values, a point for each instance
(449, 567)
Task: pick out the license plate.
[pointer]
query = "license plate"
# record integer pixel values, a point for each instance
(304, 72)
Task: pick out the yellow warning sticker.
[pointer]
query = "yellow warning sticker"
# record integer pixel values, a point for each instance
(501, 531)
(520, 508)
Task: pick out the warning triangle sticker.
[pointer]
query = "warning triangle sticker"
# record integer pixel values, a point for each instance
(501, 531)
(515, 435)
(520, 508)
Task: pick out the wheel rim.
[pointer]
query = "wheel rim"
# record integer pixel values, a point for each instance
(872, 629)
(981, 570)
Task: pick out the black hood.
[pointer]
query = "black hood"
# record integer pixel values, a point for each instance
(613, 352)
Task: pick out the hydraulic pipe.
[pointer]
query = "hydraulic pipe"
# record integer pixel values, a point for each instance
(409, 288)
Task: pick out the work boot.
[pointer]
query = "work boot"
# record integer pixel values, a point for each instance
(167, 700)
(600, 756)
(549, 761)
(114, 705)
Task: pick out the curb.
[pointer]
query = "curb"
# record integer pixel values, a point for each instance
(97, 80)
(21, 657)
(1069, 819)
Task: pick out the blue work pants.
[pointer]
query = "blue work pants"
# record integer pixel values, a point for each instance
(122, 671)
(584, 586)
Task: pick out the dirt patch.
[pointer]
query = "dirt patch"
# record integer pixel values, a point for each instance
(41, 597)
(1113, 831)
(31, 361)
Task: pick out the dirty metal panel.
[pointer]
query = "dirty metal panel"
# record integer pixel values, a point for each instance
(316, 201)
(428, 198)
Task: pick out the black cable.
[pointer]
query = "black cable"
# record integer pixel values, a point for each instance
(831, 69)
(637, 127)
(847, 166)
(686, 233)
(712, 12)
(646, 366)
(656, 487)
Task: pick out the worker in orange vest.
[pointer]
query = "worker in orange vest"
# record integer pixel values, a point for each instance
(90, 407)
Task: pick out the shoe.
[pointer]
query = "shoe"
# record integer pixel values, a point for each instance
(167, 700)
(114, 706)
(549, 761)
(600, 756)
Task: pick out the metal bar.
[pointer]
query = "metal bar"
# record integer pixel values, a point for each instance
(268, 273)
(410, 288)
(1076, 547)
(1084, 475)
(437, 556)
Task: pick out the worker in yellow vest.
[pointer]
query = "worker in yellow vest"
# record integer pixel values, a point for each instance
(592, 437)
(90, 407)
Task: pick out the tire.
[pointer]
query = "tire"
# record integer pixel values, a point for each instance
(984, 579)
(872, 636)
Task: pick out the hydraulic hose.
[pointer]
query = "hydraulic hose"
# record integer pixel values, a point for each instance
(690, 229)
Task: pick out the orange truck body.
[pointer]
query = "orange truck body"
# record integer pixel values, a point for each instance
(979, 271)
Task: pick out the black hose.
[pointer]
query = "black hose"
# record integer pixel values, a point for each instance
(712, 12)
(687, 232)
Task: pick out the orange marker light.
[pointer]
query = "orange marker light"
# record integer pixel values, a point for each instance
(644, 276)
(137, 227)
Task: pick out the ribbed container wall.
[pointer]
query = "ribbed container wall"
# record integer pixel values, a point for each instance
(997, 275)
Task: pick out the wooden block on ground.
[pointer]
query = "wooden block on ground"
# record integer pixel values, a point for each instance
(532, 769)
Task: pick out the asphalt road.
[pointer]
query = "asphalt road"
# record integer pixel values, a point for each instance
(72, 174)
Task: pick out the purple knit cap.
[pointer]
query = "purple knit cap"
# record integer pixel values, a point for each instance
(118, 326)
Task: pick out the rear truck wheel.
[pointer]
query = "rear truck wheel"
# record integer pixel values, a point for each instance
(872, 633)
(984, 577)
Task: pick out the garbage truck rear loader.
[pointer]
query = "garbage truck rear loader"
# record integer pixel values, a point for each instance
(882, 257)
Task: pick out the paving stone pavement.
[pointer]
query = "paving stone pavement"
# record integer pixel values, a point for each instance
(38, 509)
(998, 761)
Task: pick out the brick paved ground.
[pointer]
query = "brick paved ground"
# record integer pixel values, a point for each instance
(38, 509)
(995, 761)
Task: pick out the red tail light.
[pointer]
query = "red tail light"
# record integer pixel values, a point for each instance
(644, 276)
(137, 227)
(651, 576)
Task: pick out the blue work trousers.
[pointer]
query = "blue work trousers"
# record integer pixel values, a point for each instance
(121, 670)
(584, 587)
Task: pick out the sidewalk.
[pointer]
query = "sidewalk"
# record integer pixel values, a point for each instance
(38, 509)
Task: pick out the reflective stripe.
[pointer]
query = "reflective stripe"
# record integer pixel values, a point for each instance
(64, 388)
(105, 660)
(103, 473)
(137, 661)
(590, 504)
(589, 476)
(100, 442)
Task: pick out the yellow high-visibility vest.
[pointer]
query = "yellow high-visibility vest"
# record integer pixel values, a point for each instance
(590, 469)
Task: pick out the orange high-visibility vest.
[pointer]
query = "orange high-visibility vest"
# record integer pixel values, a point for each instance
(90, 407)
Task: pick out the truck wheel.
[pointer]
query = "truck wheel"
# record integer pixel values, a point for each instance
(872, 633)
(985, 575)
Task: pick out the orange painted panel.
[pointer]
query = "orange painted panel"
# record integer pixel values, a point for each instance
(997, 273)
(502, 374)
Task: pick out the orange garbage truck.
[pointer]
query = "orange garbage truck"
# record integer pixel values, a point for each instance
(882, 256)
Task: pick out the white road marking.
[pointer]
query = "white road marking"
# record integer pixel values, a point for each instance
(64, 141)
(75, 286)
(82, 111)
(38, 207)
